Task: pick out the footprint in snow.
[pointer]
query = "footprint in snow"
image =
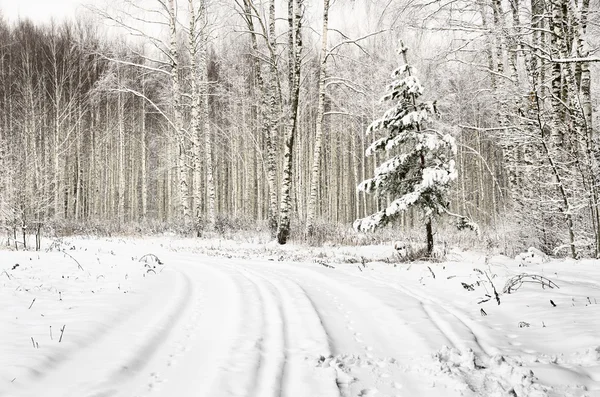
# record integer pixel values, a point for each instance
(155, 382)
(368, 392)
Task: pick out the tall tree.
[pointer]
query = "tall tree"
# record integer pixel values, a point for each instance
(204, 96)
(420, 175)
(295, 11)
(316, 165)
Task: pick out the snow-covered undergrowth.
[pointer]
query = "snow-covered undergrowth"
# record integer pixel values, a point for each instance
(59, 301)
(224, 318)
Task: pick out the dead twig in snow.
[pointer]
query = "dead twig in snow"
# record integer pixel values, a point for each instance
(7, 275)
(32, 302)
(432, 273)
(69, 255)
(150, 256)
(514, 283)
(493, 288)
(62, 331)
(323, 263)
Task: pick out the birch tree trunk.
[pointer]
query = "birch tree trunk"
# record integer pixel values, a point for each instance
(273, 123)
(204, 94)
(195, 116)
(143, 159)
(184, 212)
(592, 150)
(57, 101)
(316, 166)
(295, 54)
(121, 162)
(556, 41)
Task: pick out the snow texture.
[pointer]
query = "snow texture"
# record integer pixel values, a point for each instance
(248, 321)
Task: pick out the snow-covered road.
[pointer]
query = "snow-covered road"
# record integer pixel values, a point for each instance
(217, 326)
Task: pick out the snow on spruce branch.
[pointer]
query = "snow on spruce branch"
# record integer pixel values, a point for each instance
(422, 168)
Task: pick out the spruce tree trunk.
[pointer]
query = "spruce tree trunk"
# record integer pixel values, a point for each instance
(428, 226)
(429, 232)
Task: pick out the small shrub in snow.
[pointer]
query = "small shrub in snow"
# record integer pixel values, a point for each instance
(532, 256)
(412, 252)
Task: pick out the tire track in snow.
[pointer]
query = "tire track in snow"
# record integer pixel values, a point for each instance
(374, 348)
(224, 357)
(239, 373)
(199, 354)
(430, 308)
(360, 309)
(106, 368)
(439, 312)
(273, 343)
(476, 365)
(305, 336)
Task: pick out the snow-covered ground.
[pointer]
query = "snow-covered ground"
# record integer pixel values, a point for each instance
(221, 318)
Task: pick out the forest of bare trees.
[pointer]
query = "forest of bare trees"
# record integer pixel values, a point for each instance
(193, 114)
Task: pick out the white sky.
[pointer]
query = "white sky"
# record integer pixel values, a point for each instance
(39, 10)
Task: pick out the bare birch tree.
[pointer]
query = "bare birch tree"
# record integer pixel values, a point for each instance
(295, 10)
(316, 164)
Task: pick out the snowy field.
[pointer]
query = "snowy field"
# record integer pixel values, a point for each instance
(94, 317)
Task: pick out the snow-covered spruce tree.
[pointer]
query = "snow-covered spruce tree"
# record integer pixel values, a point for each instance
(421, 166)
